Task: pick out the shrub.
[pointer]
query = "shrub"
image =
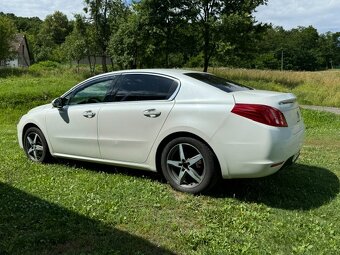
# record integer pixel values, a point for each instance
(44, 65)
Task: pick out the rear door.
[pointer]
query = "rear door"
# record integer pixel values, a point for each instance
(128, 127)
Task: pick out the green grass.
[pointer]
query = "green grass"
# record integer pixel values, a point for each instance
(69, 207)
(30, 88)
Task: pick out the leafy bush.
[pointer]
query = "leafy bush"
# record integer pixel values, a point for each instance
(44, 65)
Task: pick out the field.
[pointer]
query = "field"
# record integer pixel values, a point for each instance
(318, 88)
(69, 207)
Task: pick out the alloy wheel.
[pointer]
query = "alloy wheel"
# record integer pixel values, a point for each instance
(34, 146)
(186, 165)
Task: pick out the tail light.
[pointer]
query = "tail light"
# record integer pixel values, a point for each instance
(261, 113)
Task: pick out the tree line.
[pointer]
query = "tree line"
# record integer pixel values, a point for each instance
(172, 33)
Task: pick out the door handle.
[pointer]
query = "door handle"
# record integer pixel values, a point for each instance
(151, 113)
(89, 114)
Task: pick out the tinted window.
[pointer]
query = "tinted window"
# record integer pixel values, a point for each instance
(137, 87)
(218, 82)
(97, 92)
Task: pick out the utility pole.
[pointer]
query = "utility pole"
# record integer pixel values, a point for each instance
(282, 60)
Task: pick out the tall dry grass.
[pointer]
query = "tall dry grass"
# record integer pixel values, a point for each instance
(314, 88)
(42, 83)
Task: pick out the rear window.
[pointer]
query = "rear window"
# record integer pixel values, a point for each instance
(138, 87)
(218, 82)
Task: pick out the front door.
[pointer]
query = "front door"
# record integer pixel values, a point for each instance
(72, 130)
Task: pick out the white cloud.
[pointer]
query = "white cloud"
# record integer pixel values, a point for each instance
(42, 8)
(321, 14)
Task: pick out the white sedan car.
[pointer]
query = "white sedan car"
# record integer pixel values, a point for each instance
(192, 127)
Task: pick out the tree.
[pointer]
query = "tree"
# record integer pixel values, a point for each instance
(105, 16)
(209, 14)
(238, 37)
(51, 35)
(74, 47)
(167, 24)
(127, 44)
(57, 27)
(301, 48)
(330, 49)
(269, 48)
(87, 33)
(7, 33)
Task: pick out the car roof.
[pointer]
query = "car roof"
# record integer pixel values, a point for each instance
(176, 73)
(179, 74)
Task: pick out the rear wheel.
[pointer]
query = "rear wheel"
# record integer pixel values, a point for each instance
(35, 145)
(189, 165)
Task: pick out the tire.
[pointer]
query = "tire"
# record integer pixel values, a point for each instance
(35, 145)
(189, 165)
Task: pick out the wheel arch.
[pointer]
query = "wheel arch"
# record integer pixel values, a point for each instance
(175, 135)
(29, 125)
(26, 127)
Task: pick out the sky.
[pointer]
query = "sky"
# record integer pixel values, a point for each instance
(324, 15)
(321, 14)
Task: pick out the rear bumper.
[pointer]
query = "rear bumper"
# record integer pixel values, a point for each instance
(252, 150)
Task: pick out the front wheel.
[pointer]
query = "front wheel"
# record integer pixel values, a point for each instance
(35, 145)
(189, 165)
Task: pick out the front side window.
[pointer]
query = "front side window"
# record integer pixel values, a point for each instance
(139, 87)
(97, 92)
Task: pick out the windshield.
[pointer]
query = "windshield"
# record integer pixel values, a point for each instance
(218, 82)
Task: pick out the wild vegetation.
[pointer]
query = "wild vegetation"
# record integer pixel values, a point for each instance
(194, 33)
(7, 31)
(318, 88)
(69, 207)
(46, 80)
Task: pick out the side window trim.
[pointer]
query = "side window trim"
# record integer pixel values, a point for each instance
(174, 94)
(116, 86)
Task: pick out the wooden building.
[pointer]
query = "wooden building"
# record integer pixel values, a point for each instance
(21, 54)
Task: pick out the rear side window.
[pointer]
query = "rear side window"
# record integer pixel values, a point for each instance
(218, 82)
(139, 87)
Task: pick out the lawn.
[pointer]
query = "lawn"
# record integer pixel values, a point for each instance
(69, 207)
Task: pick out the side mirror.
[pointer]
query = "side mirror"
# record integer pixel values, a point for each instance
(58, 103)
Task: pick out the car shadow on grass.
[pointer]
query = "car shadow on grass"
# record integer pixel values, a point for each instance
(298, 187)
(110, 169)
(30, 225)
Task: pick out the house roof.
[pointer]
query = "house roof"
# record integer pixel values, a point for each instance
(17, 41)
